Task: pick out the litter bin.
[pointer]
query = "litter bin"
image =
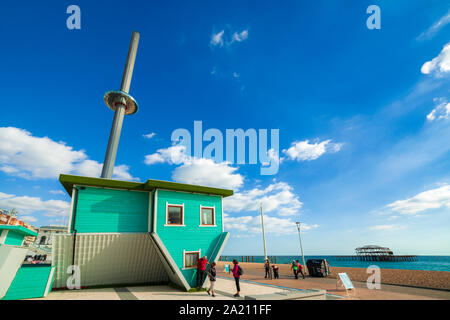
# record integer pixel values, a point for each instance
(318, 267)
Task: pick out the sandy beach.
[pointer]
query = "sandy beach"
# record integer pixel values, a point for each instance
(414, 278)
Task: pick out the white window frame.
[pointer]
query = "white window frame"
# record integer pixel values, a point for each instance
(214, 216)
(167, 215)
(199, 251)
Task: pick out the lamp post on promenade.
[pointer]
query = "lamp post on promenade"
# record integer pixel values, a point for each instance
(264, 236)
(301, 247)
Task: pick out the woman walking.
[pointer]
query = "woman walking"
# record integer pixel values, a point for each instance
(294, 268)
(212, 278)
(237, 275)
(267, 268)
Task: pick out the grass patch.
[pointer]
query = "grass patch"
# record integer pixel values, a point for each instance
(197, 290)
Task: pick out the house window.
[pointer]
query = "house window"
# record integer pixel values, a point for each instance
(191, 258)
(174, 215)
(207, 216)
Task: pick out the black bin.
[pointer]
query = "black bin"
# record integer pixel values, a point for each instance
(318, 267)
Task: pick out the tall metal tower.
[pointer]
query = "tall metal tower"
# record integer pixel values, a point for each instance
(123, 104)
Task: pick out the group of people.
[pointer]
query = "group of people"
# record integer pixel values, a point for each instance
(237, 271)
(201, 270)
(296, 267)
(270, 270)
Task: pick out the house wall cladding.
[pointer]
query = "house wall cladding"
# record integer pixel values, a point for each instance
(192, 236)
(29, 282)
(109, 210)
(108, 259)
(14, 239)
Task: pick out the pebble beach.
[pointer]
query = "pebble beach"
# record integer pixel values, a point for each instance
(413, 278)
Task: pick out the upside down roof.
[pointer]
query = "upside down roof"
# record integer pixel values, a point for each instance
(68, 181)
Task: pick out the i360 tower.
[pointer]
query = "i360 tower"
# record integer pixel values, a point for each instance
(123, 104)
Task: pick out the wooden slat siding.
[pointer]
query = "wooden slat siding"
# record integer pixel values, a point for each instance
(108, 259)
(108, 210)
(30, 282)
(14, 239)
(190, 237)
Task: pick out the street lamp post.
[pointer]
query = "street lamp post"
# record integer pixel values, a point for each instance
(264, 236)
(301, 247)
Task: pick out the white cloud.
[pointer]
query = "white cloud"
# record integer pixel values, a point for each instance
(442, 111)
(149, 135)
(93, 168)
(235, 75)
(278, 198)
(442, 22)
(198, 171)
(430, 199)
(272, 225)
(305, 151)
(28, 205)
(30, 157)
(217, 39)
(206, 172)
(440, 64)
(173, 155)
(57, 192)
(239, 36)
(386, 227)
(29, 219)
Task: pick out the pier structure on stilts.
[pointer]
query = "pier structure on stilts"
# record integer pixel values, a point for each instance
(376, 253)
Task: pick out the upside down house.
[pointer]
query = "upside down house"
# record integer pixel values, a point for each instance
(123, 233)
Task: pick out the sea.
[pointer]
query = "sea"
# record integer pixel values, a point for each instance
(432, 263)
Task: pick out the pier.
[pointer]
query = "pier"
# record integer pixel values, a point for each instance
(376, 253)
(385, 258)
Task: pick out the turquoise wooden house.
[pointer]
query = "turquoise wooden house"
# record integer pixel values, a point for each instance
(18, 279)
(14, 235)
(124, 233)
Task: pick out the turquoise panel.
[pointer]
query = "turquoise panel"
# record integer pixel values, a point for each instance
(190, 237)
(30, 282)
(111, 210)
(14, 238)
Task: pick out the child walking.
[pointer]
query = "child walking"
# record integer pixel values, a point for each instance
(212, 278)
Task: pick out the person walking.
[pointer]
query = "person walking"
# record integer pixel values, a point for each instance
(212, 278)
(267, 269)
(237, 272)
(275, 272)
(294, 268)
(201, 267)
(300, 269)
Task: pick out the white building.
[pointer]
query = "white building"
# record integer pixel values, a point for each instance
(46, 233)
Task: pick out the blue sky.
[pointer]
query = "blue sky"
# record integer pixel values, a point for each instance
(363, 115)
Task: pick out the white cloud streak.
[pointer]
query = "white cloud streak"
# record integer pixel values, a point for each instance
(278, 198)
(26, 156)
(217, 39)
(441, 111)
(272, 225)
(306, 151)
(198, 171)
(149, 135)
(430, 199)
(438, 25)
(438, 65)
(28, 205)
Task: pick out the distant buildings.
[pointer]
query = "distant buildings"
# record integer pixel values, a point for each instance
(46, 234)
(6, 218)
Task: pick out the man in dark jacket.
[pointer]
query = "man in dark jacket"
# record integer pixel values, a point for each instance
(212, 278)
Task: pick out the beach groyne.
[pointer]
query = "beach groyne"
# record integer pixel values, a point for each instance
(272, 259)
